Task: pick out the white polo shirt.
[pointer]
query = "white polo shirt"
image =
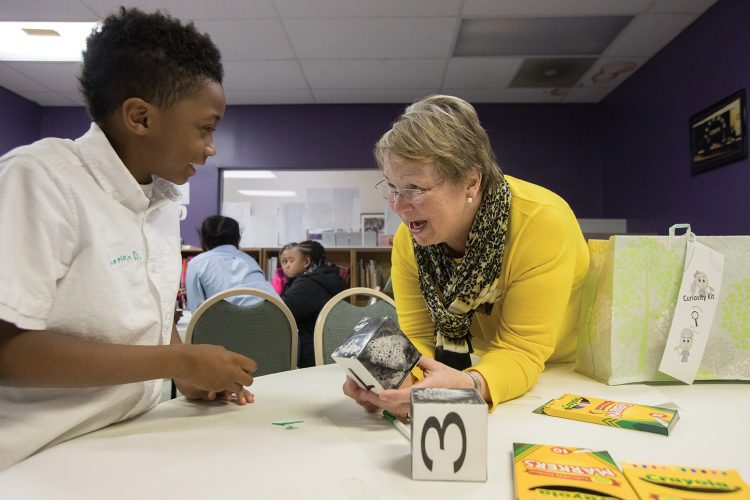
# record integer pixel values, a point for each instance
(83, 252)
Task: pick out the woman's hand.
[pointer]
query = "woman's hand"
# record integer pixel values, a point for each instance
(398, 401)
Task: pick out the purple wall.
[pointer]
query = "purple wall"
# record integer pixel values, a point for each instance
(645, 140)
(20, 124)
(69, 123)
(552, 145)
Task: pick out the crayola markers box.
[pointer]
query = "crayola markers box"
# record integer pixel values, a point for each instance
(544, 472)
(613, 413)
(682, 483)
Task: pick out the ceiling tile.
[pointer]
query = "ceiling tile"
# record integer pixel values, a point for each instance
(239, 97)
(197, 9)
(248, 39)
(609, 72)
(374, 74)
(57, 76)
(481, 72)
(505, 95)
(282, 51)
(259, 75)
(551, 72)
(648, 34)
(47, 98)
(681, 6)
(372, 38)
(508, 8)
(542, 36)
(46, 10)
(404, 96)
(14, 81)
(367, 8)
(74, 97)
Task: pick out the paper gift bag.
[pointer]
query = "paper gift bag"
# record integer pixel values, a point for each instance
(629, 298)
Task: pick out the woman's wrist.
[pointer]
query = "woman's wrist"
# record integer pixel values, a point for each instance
(476, 381)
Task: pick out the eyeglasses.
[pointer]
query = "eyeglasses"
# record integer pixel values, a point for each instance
(414, 196)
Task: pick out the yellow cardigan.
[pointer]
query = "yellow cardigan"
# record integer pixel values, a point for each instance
(544, 265)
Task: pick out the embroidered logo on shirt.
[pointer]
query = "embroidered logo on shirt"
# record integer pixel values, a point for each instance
(134, 255)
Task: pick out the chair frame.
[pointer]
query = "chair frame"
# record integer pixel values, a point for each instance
(247, 291)
(320, 322)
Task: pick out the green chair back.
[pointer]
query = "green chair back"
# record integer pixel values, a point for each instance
(265, 331)
(338, 318)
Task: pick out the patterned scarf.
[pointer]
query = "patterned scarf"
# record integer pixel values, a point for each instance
(455, 288)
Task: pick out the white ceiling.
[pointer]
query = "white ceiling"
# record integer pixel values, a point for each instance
(364, 51)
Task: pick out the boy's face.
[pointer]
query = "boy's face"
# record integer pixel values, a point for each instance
(182, 135)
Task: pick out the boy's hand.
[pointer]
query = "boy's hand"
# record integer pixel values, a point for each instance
(210, 371)
(191, 392)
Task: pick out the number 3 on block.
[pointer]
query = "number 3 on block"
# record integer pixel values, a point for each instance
(439, 417)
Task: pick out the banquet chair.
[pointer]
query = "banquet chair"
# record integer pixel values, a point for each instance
(339, 316)
(264, 331)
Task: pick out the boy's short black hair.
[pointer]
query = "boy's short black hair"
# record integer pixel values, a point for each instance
(152, 56)
(218, 230)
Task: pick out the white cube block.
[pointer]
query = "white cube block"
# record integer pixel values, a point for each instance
(377, 356)
(448, 435)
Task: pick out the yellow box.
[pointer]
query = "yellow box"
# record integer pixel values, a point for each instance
(613, 413)
(674, 482)
(544, 472)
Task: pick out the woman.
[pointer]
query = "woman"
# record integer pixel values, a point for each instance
(487, 269)
(311, 283)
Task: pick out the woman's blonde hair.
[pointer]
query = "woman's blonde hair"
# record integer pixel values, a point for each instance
(443, 130)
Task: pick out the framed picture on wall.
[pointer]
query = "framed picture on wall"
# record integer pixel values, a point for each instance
(372, 222)
(718, 134)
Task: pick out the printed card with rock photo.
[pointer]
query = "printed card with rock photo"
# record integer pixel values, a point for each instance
(377, 356)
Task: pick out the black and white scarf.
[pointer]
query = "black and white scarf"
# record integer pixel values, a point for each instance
(455, 288)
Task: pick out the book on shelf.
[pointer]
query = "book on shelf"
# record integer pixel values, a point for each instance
(271, 264)
(370, 274)
(182, 291)
(344, 272)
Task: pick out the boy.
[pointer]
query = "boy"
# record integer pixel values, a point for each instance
(90, 247)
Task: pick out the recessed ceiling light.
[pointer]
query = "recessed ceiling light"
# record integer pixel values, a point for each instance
(40, 32)
(555, 72)
(249, 174)
(266, 192)
(43, 41)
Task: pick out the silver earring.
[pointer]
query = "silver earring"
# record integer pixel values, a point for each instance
(469, 199)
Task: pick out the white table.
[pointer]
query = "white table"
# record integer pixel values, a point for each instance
(183, 449)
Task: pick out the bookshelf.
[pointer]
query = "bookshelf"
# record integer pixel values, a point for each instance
(367, 266)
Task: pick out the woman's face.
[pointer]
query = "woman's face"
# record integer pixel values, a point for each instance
(444, 215)
(293, 263)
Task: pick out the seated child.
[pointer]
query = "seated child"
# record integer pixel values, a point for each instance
(311, 283)
(223, 265)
